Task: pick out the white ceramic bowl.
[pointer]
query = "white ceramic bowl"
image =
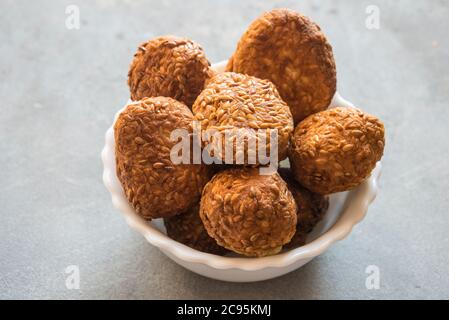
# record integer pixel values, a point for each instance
(345, 210)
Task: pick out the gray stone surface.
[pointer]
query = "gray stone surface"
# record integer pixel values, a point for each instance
(60, 89)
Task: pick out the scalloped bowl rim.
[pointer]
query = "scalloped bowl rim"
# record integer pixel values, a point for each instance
(356, 207)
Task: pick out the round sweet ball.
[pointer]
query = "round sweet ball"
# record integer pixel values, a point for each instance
(335, 150)
(290, 50)
(311, 208)
(171, 67)
(187, 228)
(153, 185)
(243, 108)
(249, 213)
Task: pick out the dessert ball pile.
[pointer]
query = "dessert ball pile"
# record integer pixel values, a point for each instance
(281, 77)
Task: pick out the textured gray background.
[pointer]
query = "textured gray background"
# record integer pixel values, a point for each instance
(59, 91)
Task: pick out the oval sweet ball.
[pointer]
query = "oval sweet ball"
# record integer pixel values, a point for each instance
(335, 150)
(241, 106)
(171, 67)
(291, 51)
(153, 185)
(248, 213)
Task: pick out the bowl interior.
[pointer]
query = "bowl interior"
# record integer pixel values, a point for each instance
(336, 207)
